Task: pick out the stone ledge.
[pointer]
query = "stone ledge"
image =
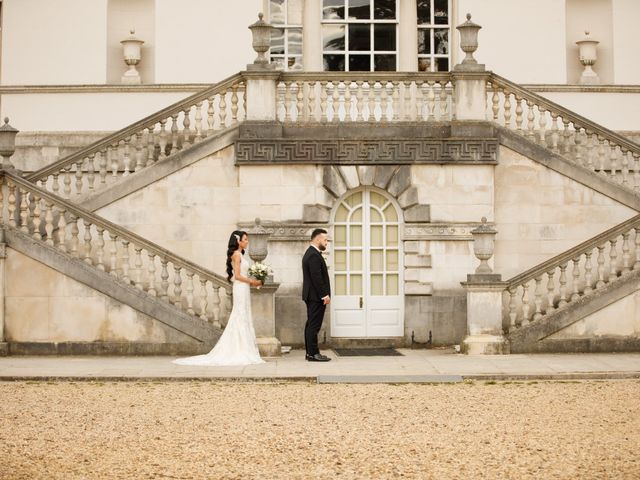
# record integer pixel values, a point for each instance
(106, 348)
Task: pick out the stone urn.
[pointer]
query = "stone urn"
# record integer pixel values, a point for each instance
(261, 32)
(588, 57)
(131, 47)
(483, 246)
(7, 144)
(469, 39)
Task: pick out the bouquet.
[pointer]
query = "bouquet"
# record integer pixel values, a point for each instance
(260, 271)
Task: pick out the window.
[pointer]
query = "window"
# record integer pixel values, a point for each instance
(433, 35)
(286, 37)
(359, 35)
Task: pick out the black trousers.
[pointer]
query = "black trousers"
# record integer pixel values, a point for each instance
(315, 315)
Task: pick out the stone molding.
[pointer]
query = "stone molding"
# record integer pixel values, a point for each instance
(369, 150)
(439, 231)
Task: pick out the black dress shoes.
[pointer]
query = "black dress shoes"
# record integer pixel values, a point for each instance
(318, 357)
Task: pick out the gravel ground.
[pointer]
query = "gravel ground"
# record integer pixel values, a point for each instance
(244, 431)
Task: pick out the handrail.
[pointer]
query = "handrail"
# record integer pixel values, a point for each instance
(572, 253)
(576, 119)
(133, 128)
(123, 233)
(365, 76)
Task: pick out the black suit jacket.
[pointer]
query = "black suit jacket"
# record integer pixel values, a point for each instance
(315, 277)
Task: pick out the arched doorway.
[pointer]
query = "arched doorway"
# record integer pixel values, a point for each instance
(367, 266)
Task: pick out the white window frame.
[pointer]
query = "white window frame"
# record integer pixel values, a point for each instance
(370, 21)
(285, 26)
(432, 27)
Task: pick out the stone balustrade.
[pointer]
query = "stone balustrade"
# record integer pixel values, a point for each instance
(563, 132)
(112, 249)
(364, 97)
(573, 274)
(146, 142)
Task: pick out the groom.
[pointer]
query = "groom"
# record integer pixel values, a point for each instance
(316, 293)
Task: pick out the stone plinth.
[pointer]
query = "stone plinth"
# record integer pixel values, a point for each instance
(263, 311)
(484, 316)
(470, 95)
(261, 94)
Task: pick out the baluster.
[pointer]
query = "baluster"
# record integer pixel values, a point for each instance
(431, 101)
(563, 285)
(635, 159)
(531, 127)
(62, 230)
(575, 295)
(538, 299)
(78, 175)
(91, 178)
(210, 117)
(578, 141)
(186, 130)
(507, 109)
(519, 118)
(163, 139)
(66, 181)
(198, 118)
(139, 155)
(513, 307)
(387, 92)
(177, 286)
(626, 253)
(566, 137)
(396, 101)
(102, 166)
(48, 220)
(287, 102)
(422, 88)
(359, 102)
(591, 151)
(613, 161)
(24, 211)
(323, 101)
(174, 144)
(151, 274)
(300, 110)
(625, 167)
(203, 300)
(75, 240)
(87, 241)
(113, 159)
(636, 232)
(526, 305)
(372, 102)
(100, 249)
(495, 103)
(164, 280)
(138, 267)
(311, 104)
(335, 101)
(151, 146)
(36, 216)
(588, 278)
(234, 104)
(189, 290)
(125, 261)
(554, 133)
(113, 255)
(55, 184)
(443, 102)
(342, 88)
(407, 100)
(601, 155)
(600, 270)
(613, 260)
(127, 158)
(551, 292)
(215, 307)
(543, 123)
(11, 205)
(349, 114)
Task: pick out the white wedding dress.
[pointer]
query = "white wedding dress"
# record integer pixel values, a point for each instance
(237, 345)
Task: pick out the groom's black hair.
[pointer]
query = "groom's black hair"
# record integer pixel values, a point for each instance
(317, 232)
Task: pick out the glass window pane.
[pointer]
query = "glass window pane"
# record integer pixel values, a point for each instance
(390, 214)
(385, 63)
(424, 40)
(333, 37)
(392, 261)
(392, 235)
(356, 216)
(341, 261)
(341, 284)
(374, 215)
(356, 285)
(359, 63)
(384, 37)
(424, 12)
(333, 9)
(341, 214)
(377, 199)
(295, 63)
(294, 37)
(424, 64)
(360, 9)
(376, 261)
(392, 284)
(356, 236)
(279, 61)
(376, 235)
(384, 9)
(354, 200)
(294, 12)
(359, 37)
(277, 12)
(341, 236)
(440, 12)
(355, 259)
(376, 285)
(277, 41)
(441, 41)
(333, 63)
(442, 64)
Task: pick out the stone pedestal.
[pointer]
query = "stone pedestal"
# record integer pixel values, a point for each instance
(263, 311)
(484, 316)
(261, 92)
(470, 93)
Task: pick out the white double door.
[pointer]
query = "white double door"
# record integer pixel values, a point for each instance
(367, 267)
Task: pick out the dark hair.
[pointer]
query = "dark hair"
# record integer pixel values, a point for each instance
(317, 232)
(234, 240)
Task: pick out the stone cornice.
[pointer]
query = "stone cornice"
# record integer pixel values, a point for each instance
(583, 88)
(103, 88)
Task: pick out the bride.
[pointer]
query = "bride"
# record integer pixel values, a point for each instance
(237, 345)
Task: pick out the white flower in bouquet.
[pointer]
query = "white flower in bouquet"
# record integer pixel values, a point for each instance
(260, 271)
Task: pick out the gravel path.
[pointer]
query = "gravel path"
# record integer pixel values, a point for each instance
(244, 431)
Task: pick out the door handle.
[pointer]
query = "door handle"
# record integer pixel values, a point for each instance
(360, 302)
